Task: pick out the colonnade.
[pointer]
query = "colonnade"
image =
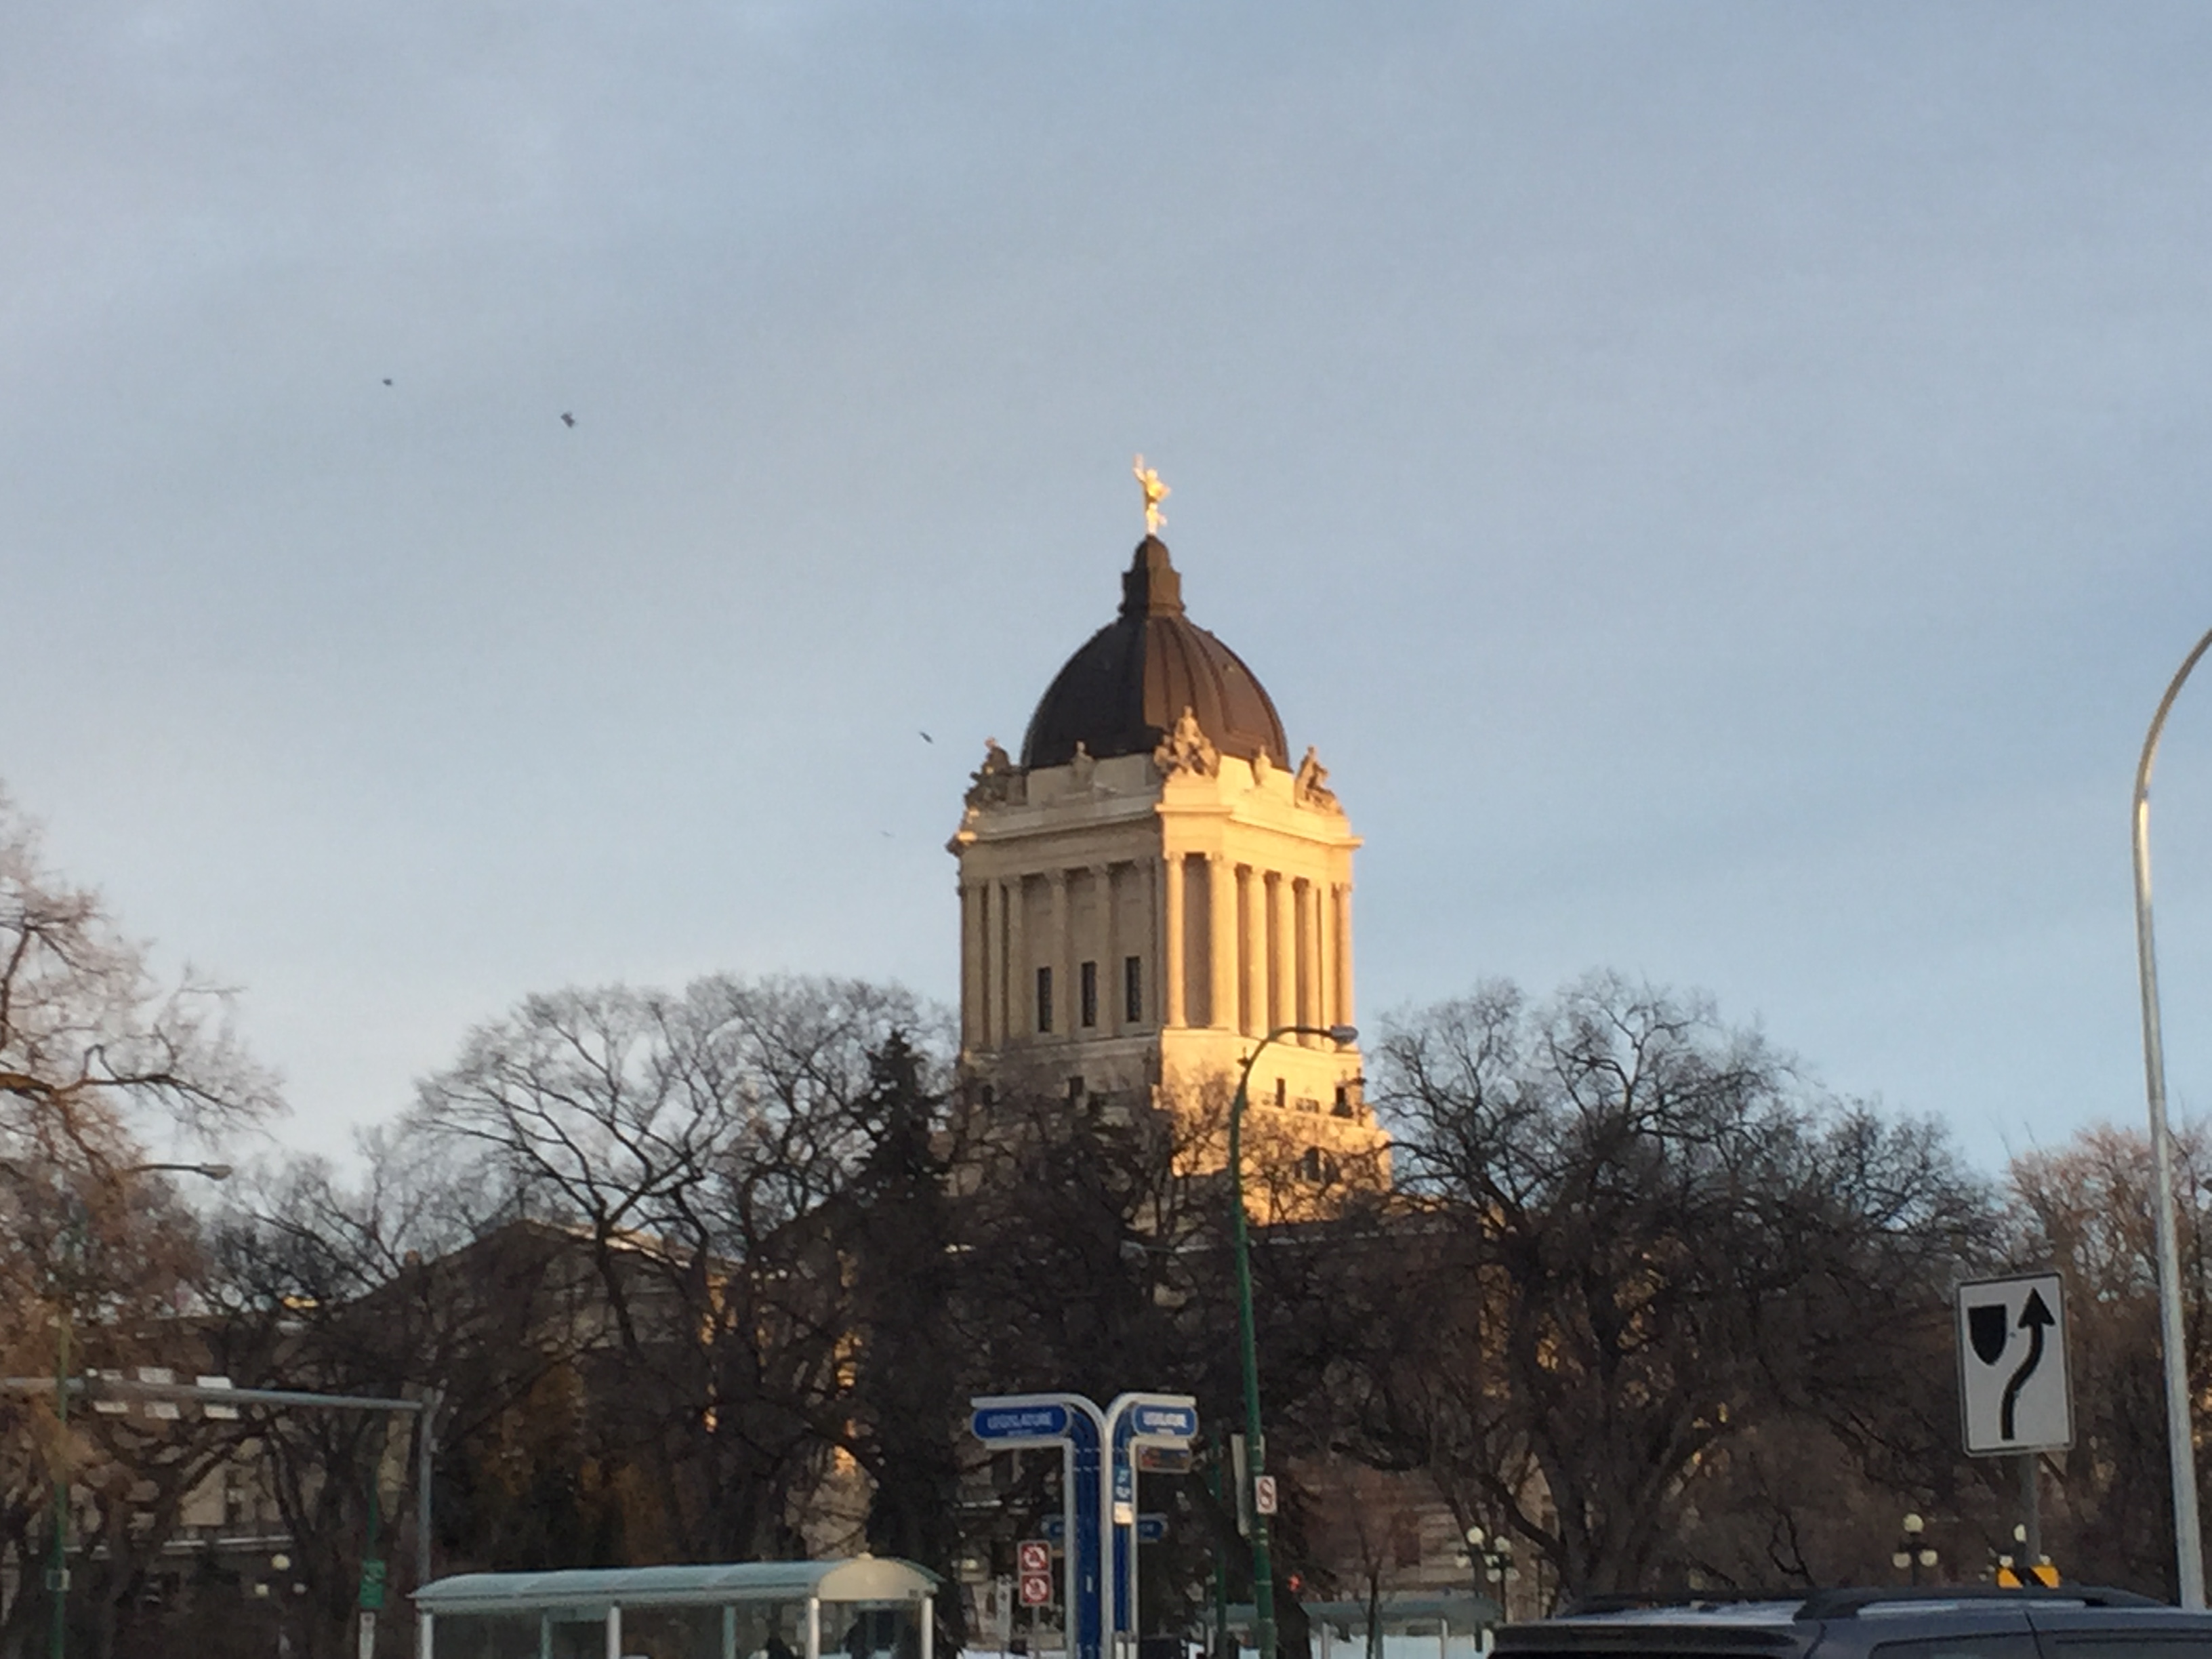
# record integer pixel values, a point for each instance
(1231, 945)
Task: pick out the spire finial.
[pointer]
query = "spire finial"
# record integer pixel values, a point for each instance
(1155, 492)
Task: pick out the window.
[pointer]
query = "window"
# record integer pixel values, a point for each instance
(1343, 1101)
(1088, 989)
(1282, 1094)
(1075, 1091)
(1406, 1539)
(2101, 1644)
(1044, 1001)
(1992, 1646)
(1133, 989)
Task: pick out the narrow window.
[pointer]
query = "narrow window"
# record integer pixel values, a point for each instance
(1075, 1090)
(1133, 989)
(1090, 993)
(1282, 1094)
(1343, 1101)
(1044, 1001)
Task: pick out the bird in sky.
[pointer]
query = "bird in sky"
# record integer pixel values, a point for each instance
(567, 419)
(925, 737)
(387, 379)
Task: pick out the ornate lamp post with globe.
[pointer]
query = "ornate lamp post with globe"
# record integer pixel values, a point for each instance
(1492, 1557)
(1913, 1551)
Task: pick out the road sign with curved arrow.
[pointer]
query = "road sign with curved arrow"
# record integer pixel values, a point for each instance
(2013, 1392)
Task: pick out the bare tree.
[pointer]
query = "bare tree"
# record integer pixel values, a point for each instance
(700, 1146)
(1638, 1235)
(96, 1257)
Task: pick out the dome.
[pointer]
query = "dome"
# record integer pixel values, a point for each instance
(1130, 682)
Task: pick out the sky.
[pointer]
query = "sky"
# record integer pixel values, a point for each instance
(1723, 486)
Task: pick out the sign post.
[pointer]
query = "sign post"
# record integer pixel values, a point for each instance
(1099, 1453)
(2015, 1397)
(1076, 1426)
(1134, 1423)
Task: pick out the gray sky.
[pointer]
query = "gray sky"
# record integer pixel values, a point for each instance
(1723, 486)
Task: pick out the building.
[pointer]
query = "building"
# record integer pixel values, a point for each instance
(1152, 888)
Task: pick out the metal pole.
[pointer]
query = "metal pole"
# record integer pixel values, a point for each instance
(2181, 1452)
(1263, 1566)
(426, 1425)
(2031, 1502)
(57, 1572)
(1220, 1554)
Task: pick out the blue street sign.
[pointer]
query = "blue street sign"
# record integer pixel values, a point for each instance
(1150, 1528)
(1042, 1422)
(1164, 1422)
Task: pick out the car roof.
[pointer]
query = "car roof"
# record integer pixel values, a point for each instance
(1786, 1622)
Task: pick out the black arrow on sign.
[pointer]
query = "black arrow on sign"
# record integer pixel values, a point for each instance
(2032, 1319)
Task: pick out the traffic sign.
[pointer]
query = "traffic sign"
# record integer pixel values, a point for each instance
(1164, 1420)
(1263, 1493)
(2013, 1392)
(1038, 1422)
(1037, 1589)
(1034, 1554)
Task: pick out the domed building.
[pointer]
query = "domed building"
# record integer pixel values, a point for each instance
(1153, 887)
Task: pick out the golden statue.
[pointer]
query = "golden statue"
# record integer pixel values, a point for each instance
(1155, 492)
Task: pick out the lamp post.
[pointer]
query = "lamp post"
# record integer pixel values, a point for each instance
(58, 1577)
(1493, 1562)
(1263, 1566)
(2181, 1457)
(1913, 1551)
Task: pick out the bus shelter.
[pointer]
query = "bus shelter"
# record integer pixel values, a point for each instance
(868, 1607)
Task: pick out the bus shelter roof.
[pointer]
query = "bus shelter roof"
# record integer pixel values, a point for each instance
(863, 1578)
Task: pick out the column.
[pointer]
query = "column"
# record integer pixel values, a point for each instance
(1282, 953)
(1221, 941)
(1323, 954)
(971, 964)
(1021, 1004)
(1062, 955)
(1303, 894)
(1171, 939)
(995, 952)
(1344, 1014)
(1110, 951)
(1252, 909)
(1317, 1009)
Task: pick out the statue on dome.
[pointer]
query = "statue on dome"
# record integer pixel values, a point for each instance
(991, 784)
(1310, 786)
(1185, 749)
(1155, 492)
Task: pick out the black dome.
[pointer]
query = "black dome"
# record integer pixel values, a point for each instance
(1121, 692)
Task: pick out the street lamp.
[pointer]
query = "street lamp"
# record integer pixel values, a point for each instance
(2181, 1457)
(1263, 1566)
(1913, 1551)
(1494, 1563)
(58, 1577)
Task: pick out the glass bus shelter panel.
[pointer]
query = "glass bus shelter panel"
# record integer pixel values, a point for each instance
(768, 1630)
(672, 1634)
(853, 1631)
(519, 1635)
